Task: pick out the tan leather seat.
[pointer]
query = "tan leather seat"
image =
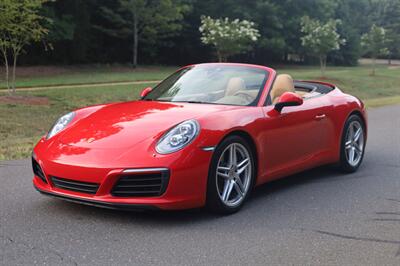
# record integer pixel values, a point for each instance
(283, 83)
(302, 93)
(234, 86)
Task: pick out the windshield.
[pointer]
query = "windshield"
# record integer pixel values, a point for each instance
(216, 84)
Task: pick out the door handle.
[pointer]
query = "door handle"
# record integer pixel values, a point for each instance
(320, 117)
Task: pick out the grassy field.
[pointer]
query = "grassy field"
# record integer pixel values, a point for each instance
(50, 76)
(356, 80)
(21, 125)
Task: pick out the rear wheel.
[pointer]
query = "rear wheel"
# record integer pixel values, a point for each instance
(352, 144)
(231, 176)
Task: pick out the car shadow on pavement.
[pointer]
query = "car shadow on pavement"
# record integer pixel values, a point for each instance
(259, 196)
(321, 174)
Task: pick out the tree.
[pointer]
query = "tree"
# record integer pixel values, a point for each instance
(351, 28)
(20, 24)
(390, 20)
(386, 14)
(320, 39)
(100, 31)
(266, 14)
(228, 37)
(291, 14)
(143, 20)
(393, 40)
(375, 43)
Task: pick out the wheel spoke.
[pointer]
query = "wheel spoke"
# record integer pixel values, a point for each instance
(223, 171)
(357, 135)
(350, 136)
(242, 166)
(232, 155)
(227, 190)
(238, 190)
(224, 175)
(348, 145)
(357, 149)
(351, 155)
(243, 163)
(239, 186)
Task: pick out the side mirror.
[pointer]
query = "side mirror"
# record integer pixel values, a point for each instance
(288, 99)
(145, 92)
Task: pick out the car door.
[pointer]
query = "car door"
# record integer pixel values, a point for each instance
(296, 137)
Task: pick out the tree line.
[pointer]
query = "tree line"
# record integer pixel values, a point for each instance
(167, 31)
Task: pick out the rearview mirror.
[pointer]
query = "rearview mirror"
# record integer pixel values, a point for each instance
(145, 92)
(288, 99)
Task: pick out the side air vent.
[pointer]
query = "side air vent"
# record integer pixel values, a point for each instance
(141, 184)
(37, 170)
(73, 185)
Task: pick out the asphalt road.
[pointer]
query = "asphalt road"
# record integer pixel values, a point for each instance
(319, 217)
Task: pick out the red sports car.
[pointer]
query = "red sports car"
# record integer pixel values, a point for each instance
(205, 136)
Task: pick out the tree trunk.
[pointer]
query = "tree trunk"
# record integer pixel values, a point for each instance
(135, 41)
(7, 74)
(15, 55)
(219, 56)
(373, 66)
(322, 61)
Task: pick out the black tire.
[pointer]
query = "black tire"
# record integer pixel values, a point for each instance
(214, 203)
(344, 165)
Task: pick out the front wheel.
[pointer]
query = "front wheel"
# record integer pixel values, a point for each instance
(352, 144)
(231, 176)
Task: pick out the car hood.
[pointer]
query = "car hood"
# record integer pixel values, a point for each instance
(123, 125)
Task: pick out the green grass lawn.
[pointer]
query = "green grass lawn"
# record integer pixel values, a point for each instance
(22, 125)
(87, 75)
(355, 80)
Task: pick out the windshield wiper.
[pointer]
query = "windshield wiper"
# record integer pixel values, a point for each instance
(151, 100)
(189, 102)
(195, 102)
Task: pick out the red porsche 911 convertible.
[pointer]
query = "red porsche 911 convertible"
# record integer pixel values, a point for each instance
(205, 136)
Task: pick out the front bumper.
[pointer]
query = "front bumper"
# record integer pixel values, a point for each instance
(101, 204)
(186, 188)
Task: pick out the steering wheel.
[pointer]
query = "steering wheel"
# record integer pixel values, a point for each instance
(244, 96)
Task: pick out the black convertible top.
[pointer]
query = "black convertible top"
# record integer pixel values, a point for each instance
(313, 87)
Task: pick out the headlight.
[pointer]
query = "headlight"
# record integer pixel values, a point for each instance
(61, 123)
(178, 137)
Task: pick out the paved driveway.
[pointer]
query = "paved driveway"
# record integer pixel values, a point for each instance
(319, 217)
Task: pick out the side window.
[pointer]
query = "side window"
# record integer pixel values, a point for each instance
(268, 100)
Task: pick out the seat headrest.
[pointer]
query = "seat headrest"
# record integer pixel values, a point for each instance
(234, 85)
(283, 83)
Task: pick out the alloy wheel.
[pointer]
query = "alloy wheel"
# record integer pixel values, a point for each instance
(354, 145)
(233, 174)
